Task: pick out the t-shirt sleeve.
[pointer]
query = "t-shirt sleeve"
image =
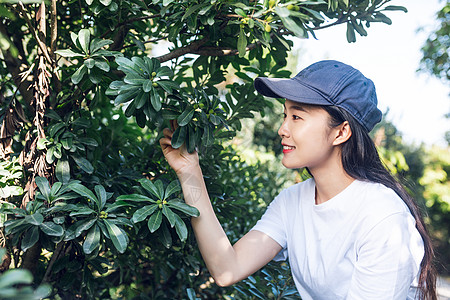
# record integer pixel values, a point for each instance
(388, 260)
(272, 224)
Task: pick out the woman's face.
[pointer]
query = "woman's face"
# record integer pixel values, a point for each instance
(306, 136)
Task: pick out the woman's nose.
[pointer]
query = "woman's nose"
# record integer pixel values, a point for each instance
(283, 131)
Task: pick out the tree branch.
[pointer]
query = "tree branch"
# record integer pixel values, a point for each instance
(41, 45)
(211, 51)
(54, 30)
(192, 48)
(54, 258)
(54, 37)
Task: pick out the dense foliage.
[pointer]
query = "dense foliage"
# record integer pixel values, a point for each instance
(89, 204)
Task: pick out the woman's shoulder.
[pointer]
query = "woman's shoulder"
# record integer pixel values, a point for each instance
(379, 200)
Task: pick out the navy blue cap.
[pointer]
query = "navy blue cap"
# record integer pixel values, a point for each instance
(328, 82)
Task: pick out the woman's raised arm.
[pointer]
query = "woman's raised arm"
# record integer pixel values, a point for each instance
(226, 263)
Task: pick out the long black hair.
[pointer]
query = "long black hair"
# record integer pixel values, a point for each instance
(361, 161)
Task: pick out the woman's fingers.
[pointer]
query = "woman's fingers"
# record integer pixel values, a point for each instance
(166, 141)
(167, 132)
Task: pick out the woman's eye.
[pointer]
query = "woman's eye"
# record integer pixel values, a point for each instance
(284, 116)
(296, 117)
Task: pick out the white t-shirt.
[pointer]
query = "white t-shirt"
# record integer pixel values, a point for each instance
(361, 244)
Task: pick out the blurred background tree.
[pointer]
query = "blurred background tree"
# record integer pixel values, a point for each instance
(435, 181)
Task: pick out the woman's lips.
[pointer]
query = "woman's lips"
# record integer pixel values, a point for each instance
(287, 148)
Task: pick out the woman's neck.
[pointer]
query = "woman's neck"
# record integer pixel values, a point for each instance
(330, 181)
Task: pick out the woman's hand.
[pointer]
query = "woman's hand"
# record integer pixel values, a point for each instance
(179, 159)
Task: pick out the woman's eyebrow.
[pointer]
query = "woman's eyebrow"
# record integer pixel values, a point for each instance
(298, 107)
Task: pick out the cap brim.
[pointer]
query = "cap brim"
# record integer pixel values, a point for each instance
(289, 89)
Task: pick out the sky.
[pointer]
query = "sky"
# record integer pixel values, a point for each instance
(390, 56)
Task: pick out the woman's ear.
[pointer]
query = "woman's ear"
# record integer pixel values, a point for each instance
(342, 133)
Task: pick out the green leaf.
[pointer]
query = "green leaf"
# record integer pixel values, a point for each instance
(106, 2)
(59, 220)
(155, 221)
(205, 9)
(181, 228)
(102, 65)
(126, 95)
(186, 116)
(53, 129)
(43, 186)
(62, 171)
(134, 79)
(42, 292)
(183, 207)
(150, 186)
(83, 191)
(149, 64)
(42, 143)
(117, 236)
(97, 44)
(179, 136)
(136, 197)
(289, 23)
(172, 188)
(69, 53)
(155, 99)
(240, 12)
(191, 294)
(92, 240)
(82, 211)
(127, 65)
(84, 225)
(395, 7)
(50, 157)
(84, 164)
(50, 228)
(159, 188)
(164, 71)
(147, 85)
(351, 38)
(55, 188)
(170, 215)
(15, 276)
(89, 63)
(101, 196)
(168, 86)
(84, 37)
(30, 238)
(208, 137)
(141, 99)
(82, 122)
(165, 237)
(191, 139)
(34, 219)
(78, 75)
(88, 141)
(242, 43)
(142, 213)
(191, 10)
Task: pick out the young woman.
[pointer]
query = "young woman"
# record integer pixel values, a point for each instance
(349, 232)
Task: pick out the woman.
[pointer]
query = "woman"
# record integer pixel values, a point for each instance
(349, 232)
